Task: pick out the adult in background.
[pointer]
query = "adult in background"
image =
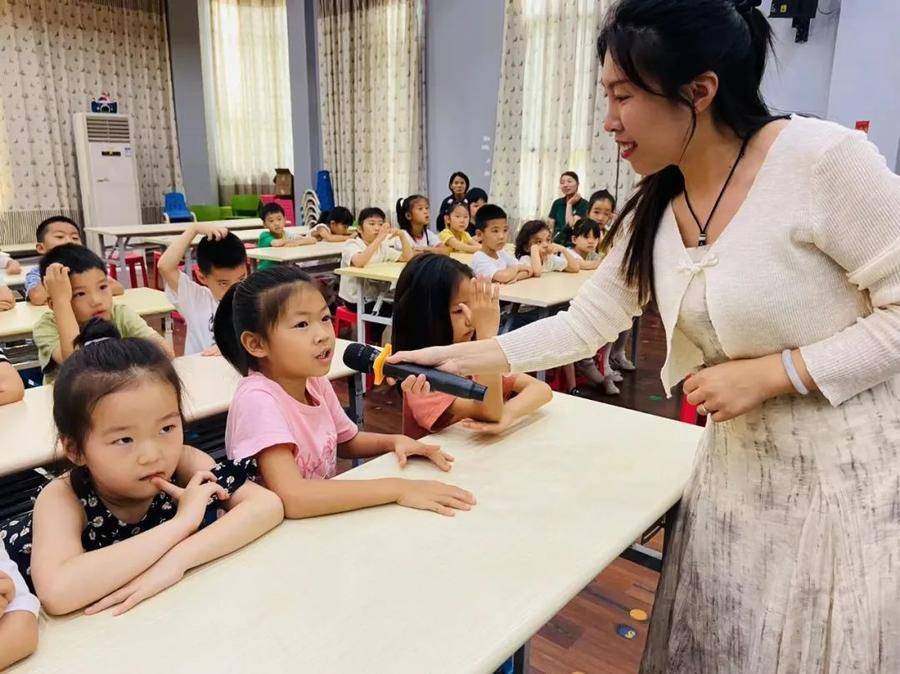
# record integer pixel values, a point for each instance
(772, 248)
(568, 209)
(459, 185)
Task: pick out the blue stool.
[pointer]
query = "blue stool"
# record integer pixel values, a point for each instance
(324, 191)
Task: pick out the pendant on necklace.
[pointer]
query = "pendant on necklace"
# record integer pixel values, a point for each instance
(702, 239)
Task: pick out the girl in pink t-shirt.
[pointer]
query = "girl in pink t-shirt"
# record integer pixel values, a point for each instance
(275, 329)
(437, 302)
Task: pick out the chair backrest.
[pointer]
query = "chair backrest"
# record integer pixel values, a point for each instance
(207, 212)
(175, 207)
(246, 205)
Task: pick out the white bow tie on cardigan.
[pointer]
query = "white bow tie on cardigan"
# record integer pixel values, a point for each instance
(693, 268)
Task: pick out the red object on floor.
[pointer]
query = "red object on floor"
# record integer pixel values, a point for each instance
(133, 261)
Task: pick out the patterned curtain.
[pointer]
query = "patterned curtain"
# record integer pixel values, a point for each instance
(251, 94)
(57, 55)
(372, 97)
(550, 109)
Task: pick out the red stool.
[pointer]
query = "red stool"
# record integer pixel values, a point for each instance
(343, 317)
(133, 260)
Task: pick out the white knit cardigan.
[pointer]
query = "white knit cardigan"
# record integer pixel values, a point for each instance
(810, 260)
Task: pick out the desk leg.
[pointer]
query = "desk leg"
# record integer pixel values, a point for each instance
(520, 660)
(360, 322)
(167, 330)
(355, 393)
(543, 312)
(635, 329)
(507, 326)
(121, 242)
(671, 518)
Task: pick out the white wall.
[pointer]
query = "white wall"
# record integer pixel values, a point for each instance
(190, 117)
(304, 93)
(798, 77)
(463, 45)
(865, 82)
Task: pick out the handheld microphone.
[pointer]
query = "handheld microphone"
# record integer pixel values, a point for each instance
(368, 359)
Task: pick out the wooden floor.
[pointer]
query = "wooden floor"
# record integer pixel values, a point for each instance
(583, 636)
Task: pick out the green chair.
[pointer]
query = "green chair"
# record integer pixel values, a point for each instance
(245, 206)
(209, 212)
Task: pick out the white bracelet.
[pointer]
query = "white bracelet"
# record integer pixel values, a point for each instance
(788, 361)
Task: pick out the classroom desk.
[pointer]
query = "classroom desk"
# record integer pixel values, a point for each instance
(123, 233)
(165, 240)
(466, 258)
(317, 251)
(19, 249)
(18, 323)
(15, 280)
(396, 590)
(28, 436)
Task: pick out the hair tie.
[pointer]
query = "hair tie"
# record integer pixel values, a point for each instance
(95, 341)
(744, 7)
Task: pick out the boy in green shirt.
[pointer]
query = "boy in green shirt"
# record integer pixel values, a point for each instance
(272, 215)
(79, 290)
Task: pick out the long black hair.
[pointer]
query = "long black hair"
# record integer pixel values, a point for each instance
(254, 305)
(422, 301)
(404, 211)
(103, 364)
(526, 231)
(661, 45)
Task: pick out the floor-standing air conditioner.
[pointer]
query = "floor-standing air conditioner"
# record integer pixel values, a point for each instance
(107, 171)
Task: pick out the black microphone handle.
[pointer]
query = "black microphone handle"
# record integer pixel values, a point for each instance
(440, 381)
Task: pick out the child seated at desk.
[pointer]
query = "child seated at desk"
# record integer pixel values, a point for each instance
(57, 230)
(275, 329)
(12, 389)
(221, 262)
(412, 218)
(439, 303)
(493, 261)
(9, 265)
(476, 198)
(140, 508)
(278, 236)
(535, 248)
(586, 237)
(79, 290)
(373, 245)
(334, 226)
(18, 614)
(455, 234)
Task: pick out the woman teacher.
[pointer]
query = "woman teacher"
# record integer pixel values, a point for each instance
(772, 248)
(568, 209)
